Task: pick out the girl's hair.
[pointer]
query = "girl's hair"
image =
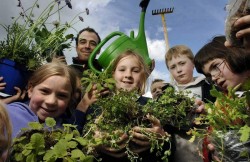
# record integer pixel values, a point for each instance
(143, 66)
(236, 58)
(179, 50)
(5, 129)
(55, 68)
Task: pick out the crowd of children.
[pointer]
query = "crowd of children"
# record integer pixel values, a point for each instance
(54, 90)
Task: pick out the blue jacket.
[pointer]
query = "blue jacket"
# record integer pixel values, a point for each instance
(20, 115)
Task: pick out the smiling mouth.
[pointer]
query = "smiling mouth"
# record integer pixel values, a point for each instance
(48, 110)
(127, 82)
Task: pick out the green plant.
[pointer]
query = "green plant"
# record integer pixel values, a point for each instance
(32, 39)
(120, 111)
(42, 142)
(228, 119)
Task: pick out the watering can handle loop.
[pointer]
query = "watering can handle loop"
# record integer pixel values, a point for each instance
(97, 49)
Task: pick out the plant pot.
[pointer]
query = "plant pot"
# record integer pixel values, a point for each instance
(14, 75)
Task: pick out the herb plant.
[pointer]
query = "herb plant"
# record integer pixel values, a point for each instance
(119, 112)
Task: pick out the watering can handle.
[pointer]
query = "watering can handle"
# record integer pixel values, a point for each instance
(98, 48)
(144, 5)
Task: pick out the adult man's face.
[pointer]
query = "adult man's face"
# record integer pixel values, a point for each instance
(87, 42)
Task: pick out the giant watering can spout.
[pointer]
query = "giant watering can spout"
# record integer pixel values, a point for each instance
(121, 44)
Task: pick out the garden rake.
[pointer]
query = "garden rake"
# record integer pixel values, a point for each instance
(162, 12)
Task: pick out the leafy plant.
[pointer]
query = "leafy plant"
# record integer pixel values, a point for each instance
(120, 111)
(31, 40)
(103, 80)
(42, 142)
(173, 108)
(228, 119)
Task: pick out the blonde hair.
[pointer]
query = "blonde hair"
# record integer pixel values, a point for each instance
(5, 129)
(143, 66)
(55, 68)
(177, 51)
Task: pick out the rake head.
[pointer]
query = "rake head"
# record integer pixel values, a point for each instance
(162, 11)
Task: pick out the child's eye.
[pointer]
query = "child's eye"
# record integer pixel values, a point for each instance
(63, 95)
(182, 63)
(44, 91)
(121, 69)
(172, 67)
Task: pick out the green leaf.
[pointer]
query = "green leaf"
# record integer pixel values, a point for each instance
(35, 125)
(245, 133)
(72, 144)
(60, 149)
(26, 152)
(18, 156)
(49, 155)
(31, 158)
(76, 153)
(68, 137)
(50, 122)
(37, 141)
(82, 141)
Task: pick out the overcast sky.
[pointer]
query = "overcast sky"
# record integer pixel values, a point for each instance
(193, 22)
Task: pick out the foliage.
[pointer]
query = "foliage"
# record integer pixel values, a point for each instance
(32, 39)
(120, 111)
(228, 119)
(42, 142)
(173, 108)
(114, 115)
(103, 80)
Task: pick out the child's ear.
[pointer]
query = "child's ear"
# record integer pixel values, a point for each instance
(30, 90)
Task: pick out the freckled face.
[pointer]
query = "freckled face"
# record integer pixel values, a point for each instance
(181, 68)
(128, 74)
(50, 98)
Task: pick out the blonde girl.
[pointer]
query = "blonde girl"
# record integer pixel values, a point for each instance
(51, 92)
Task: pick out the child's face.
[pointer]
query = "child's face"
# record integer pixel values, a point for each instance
(156, 89)
(51, 97)
(128, 74)
(181, 68)
(222, 75)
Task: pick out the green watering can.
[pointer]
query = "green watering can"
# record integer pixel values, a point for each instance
(121, 44)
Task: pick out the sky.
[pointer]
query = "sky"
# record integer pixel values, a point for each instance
(193, 23)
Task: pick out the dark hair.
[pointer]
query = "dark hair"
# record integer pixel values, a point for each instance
(237, 58)
(157, 80)
(88, 29)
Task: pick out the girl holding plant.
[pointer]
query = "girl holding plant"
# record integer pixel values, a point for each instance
(51, 93)
(227, 68)
(130, 74)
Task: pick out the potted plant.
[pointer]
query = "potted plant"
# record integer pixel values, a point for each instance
(33, 39)
(43, 142)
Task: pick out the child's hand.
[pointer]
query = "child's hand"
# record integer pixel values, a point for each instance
(90, 97)
(243, 24)
(20, 95)
(111, 151)
(2, 84)
(140, 134)
(200, 106)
